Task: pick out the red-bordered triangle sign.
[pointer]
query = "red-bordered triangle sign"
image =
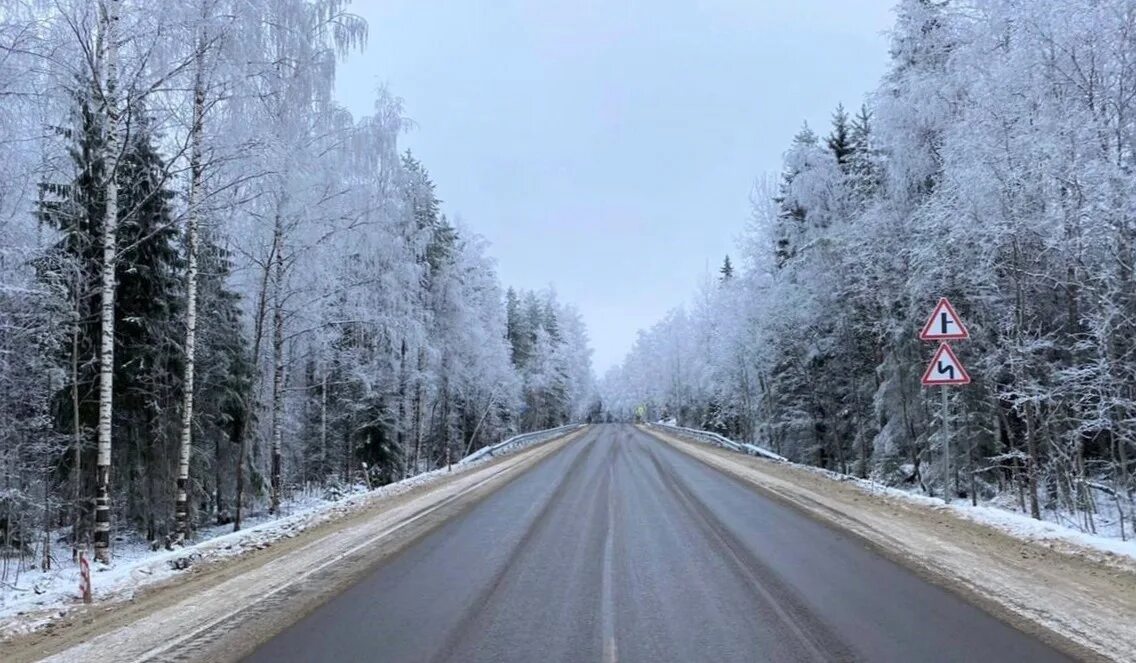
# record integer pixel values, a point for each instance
(944, 324)
(945, 368)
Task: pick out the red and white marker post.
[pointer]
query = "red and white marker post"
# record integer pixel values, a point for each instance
(945, 369)
(84, 578)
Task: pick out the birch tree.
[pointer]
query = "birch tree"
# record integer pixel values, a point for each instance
(218, 283)
(991, 165)
(196, 183)
(109, 84)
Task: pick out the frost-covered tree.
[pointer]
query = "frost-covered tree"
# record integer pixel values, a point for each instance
(549, 347)
(288, 303)
(990, 166)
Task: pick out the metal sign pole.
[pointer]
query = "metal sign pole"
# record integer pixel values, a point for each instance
(945, 369)
(946, 448)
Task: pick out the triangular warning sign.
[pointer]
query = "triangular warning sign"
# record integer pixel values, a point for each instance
(944, 324)
(945, 368)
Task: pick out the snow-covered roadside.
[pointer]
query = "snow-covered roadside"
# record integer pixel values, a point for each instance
(1003, 518)
(1080, 598)
(227, 611)
(1014, 523)
(41, 598)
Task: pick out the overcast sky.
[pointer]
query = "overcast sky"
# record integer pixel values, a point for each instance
(608, 147)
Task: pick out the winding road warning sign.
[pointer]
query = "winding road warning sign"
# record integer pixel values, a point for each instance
(944, 324)
(945, 369)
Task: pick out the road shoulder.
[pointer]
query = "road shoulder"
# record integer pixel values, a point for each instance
(222, 611)
(1076, 602)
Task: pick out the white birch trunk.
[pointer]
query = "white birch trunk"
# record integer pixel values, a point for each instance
(110, 9)
(278, 359)
(323, 426)
(181, 510)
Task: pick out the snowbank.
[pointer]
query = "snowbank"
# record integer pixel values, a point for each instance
(990, 513)
(39, 598)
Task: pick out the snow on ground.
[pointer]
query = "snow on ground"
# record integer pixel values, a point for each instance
(1003, 516)
(1084, 595)
(225, 614)
(38, 598)
(1024, 527)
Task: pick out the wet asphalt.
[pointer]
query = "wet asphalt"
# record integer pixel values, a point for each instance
(621, 548)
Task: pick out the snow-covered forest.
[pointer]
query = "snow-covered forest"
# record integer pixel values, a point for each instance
(216, 285)
(993, 165)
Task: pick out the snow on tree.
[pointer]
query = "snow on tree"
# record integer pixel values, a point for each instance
(991, 166)
(217, 285)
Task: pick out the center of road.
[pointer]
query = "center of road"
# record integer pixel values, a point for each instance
(610, 651)
(619, 547)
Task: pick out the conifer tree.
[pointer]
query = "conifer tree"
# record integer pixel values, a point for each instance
(839, 141)
(726, 271)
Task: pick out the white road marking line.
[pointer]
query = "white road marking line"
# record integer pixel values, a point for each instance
(610, 652)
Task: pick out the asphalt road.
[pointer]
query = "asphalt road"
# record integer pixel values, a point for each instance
(620, 548)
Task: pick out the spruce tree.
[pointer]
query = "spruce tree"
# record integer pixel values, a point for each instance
(223, 383)
(425, 208)
(146, 307)
(864, 163)
(726, 270)
(790, 215)
(516, 326)
(148, 329)
(840, 141)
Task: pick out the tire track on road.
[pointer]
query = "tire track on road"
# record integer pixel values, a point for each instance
(819, 641)
(474, 622)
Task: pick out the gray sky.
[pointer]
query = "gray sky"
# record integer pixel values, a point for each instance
(608, 147)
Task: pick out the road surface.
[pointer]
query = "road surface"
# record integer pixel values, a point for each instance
(621, 548)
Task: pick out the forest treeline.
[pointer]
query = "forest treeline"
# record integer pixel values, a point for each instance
(993, 165)
(216, 285)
